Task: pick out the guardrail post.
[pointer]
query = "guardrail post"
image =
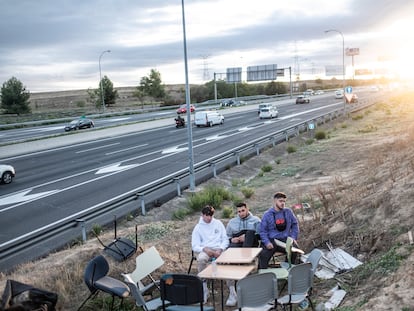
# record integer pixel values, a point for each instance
(273, 141)
(257, 149)
(141, 196)
(286, 135)
(83, 228)
(237, 154)
(213, 165)
(177, 182)
(297, 130)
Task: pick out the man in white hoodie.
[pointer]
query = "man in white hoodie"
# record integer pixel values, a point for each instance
(208, 240)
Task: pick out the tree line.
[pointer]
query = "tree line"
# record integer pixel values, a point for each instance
(15, 99)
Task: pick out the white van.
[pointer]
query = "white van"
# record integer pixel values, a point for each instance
(208, 118)
(268, 113)
(264, 105)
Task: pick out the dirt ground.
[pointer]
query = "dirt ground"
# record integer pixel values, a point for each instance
(359, 182)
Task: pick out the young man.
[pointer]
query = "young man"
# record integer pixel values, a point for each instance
(279, 223)
(243, 229)
(208, 240)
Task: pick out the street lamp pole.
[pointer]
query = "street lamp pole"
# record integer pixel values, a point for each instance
(343, 60)
(187, 100)
(100, 79)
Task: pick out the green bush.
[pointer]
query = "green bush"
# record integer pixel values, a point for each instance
(181, 213)
(320, 135)
(97, 229)
(212, 195)
(247, 192)
(291, 149)
(309, 141)
(227, 212)
(266, 168)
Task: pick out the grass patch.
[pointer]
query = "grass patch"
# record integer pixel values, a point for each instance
(291, 149)
(156, 231)
(211, 195)
(266, 168)
(247, 192)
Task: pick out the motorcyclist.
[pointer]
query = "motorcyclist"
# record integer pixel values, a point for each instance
(179, 121)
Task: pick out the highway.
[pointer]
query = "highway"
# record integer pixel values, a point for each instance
(63, 181)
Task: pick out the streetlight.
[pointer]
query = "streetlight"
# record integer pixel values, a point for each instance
(100, 79)
(187, 100)
(343, 61)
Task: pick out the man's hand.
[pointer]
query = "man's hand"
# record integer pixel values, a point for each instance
(235, 240)
(269, 246)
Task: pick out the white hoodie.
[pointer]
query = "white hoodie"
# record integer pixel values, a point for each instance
(211, 234)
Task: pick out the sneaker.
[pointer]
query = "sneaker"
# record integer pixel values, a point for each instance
(232, 300)
(303, 305)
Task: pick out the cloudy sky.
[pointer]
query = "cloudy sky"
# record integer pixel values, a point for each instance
(53, 45)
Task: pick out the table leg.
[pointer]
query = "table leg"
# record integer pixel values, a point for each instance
(222, 295)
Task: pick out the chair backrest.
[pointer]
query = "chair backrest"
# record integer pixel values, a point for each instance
(314, 258)
(182, 289)
(257, 290)
(97, 268)
(289, 244)
(300, 279)
(146, 263)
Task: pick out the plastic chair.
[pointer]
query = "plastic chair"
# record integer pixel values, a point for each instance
(183, 291)
(257, 290)
(299, 286)
(147, 305)
(96, 280)
(314, 258)
(145, 264)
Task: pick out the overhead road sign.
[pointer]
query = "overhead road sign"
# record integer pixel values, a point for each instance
(234, 75)
(262, 73)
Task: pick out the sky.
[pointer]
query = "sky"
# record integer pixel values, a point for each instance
(57, 45)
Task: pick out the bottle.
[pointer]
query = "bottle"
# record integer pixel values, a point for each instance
(214, 266)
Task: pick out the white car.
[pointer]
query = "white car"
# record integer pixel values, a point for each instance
(268, 113)
(7, 173)
(339, 94)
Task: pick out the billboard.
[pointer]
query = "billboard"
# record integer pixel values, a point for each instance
(352, 51)
(262, 73)
(233, 75)
(333, 70)
(363, 72)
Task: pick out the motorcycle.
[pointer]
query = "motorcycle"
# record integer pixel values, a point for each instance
(179, 122)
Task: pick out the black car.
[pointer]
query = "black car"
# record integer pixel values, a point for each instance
(79, 124)
(303, 99)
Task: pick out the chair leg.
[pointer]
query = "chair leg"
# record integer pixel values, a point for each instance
(191, 264)
(92, 294)
(311, 304)
(112, 303)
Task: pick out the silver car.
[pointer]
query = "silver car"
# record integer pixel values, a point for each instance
(7, 173)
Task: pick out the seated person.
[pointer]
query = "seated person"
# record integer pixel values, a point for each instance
(279, 223)
(208, 240)
(243, 229)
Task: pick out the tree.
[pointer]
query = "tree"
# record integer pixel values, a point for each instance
(110, 95)
(152, 85)
(14, 97)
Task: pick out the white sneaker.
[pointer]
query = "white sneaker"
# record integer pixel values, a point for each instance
(205, 292)
(232, 300)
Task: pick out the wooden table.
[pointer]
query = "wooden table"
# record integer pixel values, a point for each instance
(226, 272)
(239, 255)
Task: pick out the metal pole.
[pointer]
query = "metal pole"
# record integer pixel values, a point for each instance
(215, 89)
(187, 100)
(343, 61)
(100, 79)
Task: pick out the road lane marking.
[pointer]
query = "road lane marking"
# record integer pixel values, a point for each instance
(125, 149)
(96, 148)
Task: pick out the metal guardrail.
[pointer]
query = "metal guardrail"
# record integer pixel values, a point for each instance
(92, 213)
